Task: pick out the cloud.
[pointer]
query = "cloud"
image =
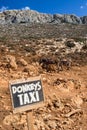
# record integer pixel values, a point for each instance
(81, 7)
(26, 8)
(3, 8)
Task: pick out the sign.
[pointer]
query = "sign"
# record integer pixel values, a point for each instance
(26, 95)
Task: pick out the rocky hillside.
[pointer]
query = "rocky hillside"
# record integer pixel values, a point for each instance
(65, 90)
(57, 53)
(30, 16)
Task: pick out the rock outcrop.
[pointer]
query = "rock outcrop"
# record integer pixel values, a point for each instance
(24, 16)
(84, 19)
(30, 16)
(73, 19)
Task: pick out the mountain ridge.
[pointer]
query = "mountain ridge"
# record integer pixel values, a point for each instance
(31, 16)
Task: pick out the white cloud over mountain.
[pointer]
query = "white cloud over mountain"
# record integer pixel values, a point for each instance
(26, 8)
(3, 8)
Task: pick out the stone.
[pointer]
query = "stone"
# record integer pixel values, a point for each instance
(22, 62)
(57, 18)
(30, 16)
(77, 101)
(70, 85)
(9, 119)
(84, 19)
(11, 62)
(52, 124)
(73, 19)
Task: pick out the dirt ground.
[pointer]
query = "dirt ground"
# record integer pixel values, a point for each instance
(65, 102)
(65, 91)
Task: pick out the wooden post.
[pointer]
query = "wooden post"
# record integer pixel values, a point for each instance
(30, 120)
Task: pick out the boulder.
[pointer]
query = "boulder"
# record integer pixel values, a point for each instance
(11, 62)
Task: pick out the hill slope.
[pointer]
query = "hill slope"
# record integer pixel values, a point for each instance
(23, 50)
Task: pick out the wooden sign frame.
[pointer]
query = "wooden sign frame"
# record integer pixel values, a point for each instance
(28, 106)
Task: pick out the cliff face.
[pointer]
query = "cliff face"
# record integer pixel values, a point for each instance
(84, 19)
(30, 16)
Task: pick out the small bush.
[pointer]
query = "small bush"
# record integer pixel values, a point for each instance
(70, 44)
(84, 47)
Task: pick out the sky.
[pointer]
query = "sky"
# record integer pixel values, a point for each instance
(77, 7)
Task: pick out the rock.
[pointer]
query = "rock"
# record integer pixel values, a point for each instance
(32, 70)
(2, 18)
(13, 65)
(39, 124)
(11, 119)
(9, 16)
(63, 87)
(84, 19)
(70, 43)
(30, 16)
(70, 85)
(77, 101)
(26, 69)
(57, 18)
(11, 62)
(24, 16)
(22, 62)
(73, 19)
(52, 124)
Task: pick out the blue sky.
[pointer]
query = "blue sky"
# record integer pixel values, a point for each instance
(78, 7)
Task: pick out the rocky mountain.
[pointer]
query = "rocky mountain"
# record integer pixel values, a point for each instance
(30, 16)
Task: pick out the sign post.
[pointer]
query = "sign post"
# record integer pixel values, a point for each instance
(27, 95)
(30, 120)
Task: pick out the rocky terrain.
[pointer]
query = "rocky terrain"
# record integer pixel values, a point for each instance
(23, 50)
(30, 16)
